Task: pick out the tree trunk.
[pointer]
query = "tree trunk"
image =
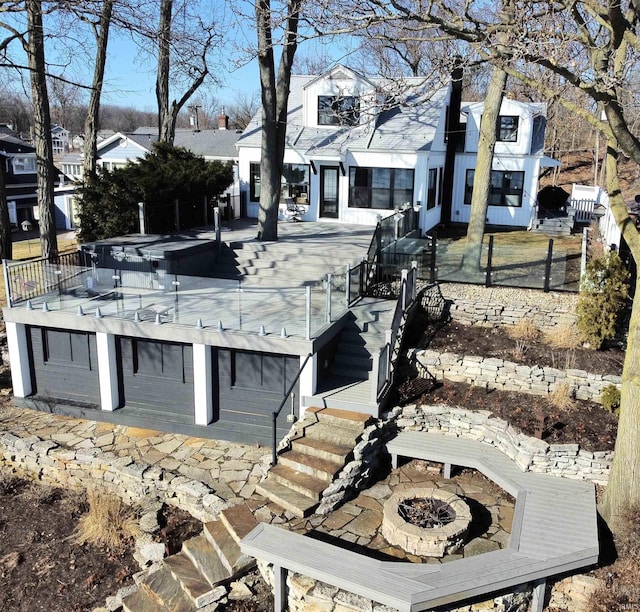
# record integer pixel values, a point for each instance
(166, 121)
(41, 129)
(93, 111)
(275, 98)
(482, 175)
(6, 247)
(623, 488)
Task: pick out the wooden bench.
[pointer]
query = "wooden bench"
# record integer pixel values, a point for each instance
(543, 542)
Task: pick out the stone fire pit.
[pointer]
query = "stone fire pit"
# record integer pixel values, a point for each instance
(452, 519)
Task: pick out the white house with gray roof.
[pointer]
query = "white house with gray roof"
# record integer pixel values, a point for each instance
(359, 147)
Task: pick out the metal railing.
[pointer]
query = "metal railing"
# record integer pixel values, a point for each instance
(276, 413)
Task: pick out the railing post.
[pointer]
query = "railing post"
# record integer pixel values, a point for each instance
(432, 263)
(308, 313)
(414, 279)
(487, 280)
(403, 288)
(364, 272)
(328, 299)
(347, 286)
(583, 255)
(547, 268)
(7, 284)
(216, 225)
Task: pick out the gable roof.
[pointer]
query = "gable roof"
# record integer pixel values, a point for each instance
(407, 124)
(207, 143)
(13, 144)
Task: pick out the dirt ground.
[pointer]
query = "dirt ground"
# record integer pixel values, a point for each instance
(585, 423)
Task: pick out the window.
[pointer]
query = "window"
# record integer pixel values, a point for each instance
(24, 165)
(432, 188)
(381, 188)
(505, 190)
(508, 128)
(295, 182)
(338, 110)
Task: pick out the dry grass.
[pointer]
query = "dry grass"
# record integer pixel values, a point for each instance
(519, 350)
(525, 330)
(108, 522)
(562, 397)
(564, 337)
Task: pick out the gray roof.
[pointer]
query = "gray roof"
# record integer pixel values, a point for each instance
(207, 143)
(12, 144)
(408, 124)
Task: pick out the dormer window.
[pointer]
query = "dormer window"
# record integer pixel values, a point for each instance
(508, 128)
(338, 110)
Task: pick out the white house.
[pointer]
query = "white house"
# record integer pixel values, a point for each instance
(517, 160)
(360, 147)
(119, 148)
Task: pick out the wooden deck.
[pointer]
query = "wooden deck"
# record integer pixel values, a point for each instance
(554, 531)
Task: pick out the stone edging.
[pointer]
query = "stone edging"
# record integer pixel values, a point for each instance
(493, 373)
(530, 454)
(58, 465)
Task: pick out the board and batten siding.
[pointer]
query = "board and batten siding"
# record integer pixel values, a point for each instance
(65, 365)
(252, 385)
(498, 215)
(157, 376)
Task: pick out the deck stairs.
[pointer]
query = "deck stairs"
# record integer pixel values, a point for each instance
(554, 226)
(190, 579)
(315, 457)
(282, 264)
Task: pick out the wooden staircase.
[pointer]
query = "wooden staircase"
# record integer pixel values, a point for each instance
(305, 470)
(190, 579)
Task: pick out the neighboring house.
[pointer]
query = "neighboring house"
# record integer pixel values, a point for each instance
(19, 160)
(119, 149)
(59, 140)
(360, 147)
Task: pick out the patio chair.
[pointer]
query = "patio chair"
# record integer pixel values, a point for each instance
(294, 211)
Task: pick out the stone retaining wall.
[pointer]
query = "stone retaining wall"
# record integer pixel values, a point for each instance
(492, 373)
(531, 454)
(57, 465)
(477, 305)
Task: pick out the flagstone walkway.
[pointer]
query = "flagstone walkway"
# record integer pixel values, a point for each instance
(233, 470)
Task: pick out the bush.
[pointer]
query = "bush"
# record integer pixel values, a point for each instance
(564, 337)
(603, 296)
(610, 398)
(524, 329)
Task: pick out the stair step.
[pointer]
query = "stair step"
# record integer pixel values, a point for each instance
(194, 584)
(205, 557)
(162, 587)
(141, 601)
(296, 503)
(239, 521)
(332, 433)
(228, 550)
(322, 449)
(343, 418)
(298, 481)
(313, 466)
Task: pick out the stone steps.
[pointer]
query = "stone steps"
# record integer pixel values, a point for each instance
(302, 473)
(191, 579)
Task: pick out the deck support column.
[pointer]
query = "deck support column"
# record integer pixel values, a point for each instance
(280, 588)
(308, 380)
(202, 384)
(537, 598)
(108, 371)
(19, 357)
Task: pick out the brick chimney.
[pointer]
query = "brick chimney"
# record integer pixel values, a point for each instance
(223, 121)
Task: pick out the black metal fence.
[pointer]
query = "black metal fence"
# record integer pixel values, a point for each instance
(539, 266)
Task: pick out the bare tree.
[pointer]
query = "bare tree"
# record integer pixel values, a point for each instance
(275, 97)
(242, 109)
(34, 47)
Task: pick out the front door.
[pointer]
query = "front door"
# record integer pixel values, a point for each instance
(329, 192)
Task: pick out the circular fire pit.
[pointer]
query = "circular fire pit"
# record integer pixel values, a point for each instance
(425, 521)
